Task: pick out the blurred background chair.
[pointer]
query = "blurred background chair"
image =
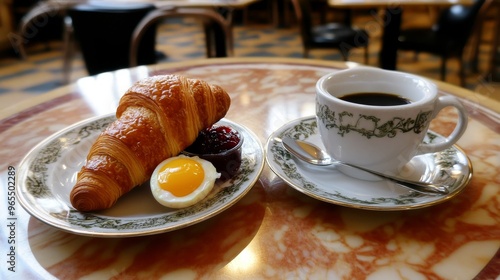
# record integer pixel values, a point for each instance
(103, 31)
(217, 29)
(328, 36)
(494, 63)
(448, 37)
(40, 22)
(481, 35)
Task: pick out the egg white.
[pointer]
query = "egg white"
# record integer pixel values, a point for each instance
(167, 199)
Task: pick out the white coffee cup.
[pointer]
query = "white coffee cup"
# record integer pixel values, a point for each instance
(381, 138)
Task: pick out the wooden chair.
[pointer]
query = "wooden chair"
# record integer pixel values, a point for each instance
(327, 36)
(39, 18)
(218, 33)
(43, 18)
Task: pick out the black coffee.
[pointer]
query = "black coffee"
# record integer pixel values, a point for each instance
(375, 99)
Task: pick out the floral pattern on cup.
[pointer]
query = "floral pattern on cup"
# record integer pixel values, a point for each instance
(371, 126)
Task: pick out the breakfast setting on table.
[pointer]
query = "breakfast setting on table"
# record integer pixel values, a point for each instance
(193, 175)
(234, 167)
(181, 141)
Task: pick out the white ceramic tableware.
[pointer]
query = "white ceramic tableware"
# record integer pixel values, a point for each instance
(48, 173)
(379, 137)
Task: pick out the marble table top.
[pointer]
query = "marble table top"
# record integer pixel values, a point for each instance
(274, 231)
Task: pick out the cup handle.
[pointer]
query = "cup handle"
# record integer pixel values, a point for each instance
(442, 102)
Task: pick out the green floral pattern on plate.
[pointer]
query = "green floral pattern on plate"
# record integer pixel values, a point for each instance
(42, 165)
(438, 167)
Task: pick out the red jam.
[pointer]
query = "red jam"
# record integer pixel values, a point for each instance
(221, 145)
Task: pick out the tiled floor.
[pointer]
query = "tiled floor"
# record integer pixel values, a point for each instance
(42, 71)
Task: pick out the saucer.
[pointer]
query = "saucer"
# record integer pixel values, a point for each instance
(326, 183)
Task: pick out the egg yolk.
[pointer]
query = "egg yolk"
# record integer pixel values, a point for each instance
(181, 176)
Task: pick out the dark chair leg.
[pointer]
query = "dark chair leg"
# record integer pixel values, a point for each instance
(345, 54)
(220, 41)
(367, 52)
(68, 43)
(461, 72)
(443, 68)
(209, 39)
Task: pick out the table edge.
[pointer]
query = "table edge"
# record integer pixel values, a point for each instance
(463, 93)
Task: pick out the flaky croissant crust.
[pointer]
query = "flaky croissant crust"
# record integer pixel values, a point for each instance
(157, 118)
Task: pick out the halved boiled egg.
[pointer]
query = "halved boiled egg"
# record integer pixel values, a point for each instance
(182, 181)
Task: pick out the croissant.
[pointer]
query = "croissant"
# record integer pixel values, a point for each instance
(157, 118)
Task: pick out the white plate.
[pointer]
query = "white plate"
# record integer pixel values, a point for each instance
(48, 173)
(327, 184)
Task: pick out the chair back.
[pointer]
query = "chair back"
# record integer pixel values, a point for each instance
(455, 24)
(303, 12)
(103, 31)
(217, 30)
(43, 22)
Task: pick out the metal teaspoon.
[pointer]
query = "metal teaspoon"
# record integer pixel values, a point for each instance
(314, 155)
